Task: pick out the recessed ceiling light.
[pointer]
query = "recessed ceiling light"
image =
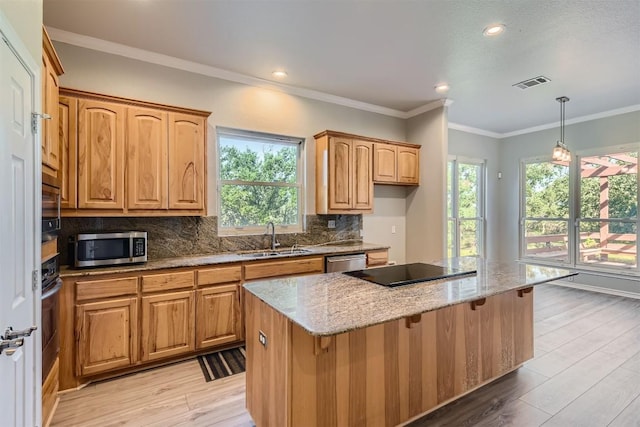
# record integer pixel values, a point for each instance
(442, 87)
(493, 30)
(279, 74)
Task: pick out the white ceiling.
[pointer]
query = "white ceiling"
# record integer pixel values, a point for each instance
(391, 53)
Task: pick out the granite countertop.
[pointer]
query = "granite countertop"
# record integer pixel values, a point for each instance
(220, 258)
(332, 303)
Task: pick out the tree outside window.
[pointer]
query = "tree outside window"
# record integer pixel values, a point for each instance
(260, 182)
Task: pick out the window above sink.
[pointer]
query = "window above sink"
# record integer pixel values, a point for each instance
(260, 181)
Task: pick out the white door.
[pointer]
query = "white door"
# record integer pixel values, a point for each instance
(18, 372)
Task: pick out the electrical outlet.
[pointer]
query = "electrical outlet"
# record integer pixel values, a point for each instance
(331, 223)
(262, 338)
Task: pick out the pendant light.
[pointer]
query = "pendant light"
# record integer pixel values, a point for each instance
(560, 151)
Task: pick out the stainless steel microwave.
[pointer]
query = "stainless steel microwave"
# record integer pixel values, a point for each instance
(99, 249)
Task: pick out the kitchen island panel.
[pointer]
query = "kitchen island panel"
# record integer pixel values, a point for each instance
(385, 374)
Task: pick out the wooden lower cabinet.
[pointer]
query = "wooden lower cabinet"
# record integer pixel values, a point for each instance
(106, 335)
(217, 315)
(167, 325)
(50, 393)
(280, 268)
(386, 374)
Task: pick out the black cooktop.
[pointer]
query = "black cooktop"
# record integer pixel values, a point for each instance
(398, 275)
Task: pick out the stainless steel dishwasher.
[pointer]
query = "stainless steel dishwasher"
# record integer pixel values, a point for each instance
(339, 263)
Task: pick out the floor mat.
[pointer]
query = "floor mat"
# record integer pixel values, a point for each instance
(223, 363)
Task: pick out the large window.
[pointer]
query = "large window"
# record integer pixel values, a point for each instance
(465, 207)
(593, 225)
(260, 182)
(545, 224)
(608, 200)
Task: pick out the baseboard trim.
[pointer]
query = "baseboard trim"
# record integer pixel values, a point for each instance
(599, 289)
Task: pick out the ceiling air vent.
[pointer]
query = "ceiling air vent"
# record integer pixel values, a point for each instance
(532, 82)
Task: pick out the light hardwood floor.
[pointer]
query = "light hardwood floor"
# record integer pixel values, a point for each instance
(586, 373)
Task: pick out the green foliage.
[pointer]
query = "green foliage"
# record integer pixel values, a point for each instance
(255, 201)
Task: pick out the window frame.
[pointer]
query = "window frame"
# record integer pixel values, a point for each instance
(522, 243)
(574, 214)
(481, 209)
(265, 137)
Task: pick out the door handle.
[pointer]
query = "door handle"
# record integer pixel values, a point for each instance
(11, 346)
(10, 334)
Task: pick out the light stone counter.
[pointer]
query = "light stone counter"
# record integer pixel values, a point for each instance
(217, 259)
(329, 304)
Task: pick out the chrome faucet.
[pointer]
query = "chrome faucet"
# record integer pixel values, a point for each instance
(274, 243)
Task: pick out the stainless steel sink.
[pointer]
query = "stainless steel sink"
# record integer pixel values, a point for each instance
(276, 253)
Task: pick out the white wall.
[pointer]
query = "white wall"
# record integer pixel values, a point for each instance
(485, 148)
(390, 212)
(25, 17)
(426, 203)
(244, 107)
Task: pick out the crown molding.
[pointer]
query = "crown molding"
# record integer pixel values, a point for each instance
(428, 107)
(469, 129)
(206, 70)
(105, 46)
(575, 120)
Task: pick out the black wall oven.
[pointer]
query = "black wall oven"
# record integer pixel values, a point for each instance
(51, 284)
(50, 211)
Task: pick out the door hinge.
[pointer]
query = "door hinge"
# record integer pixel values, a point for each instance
(34, 280)
(34, 120)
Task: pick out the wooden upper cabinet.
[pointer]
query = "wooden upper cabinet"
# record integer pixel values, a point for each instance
(344, 181)
(348, 165)
(68, 137)
(124, 157)
(362, 175)
(186, 161)
(100, 155)
(146, 172)
(408, 165)
(51, 69)
(396, 164)
(385, 162)
(340, 174)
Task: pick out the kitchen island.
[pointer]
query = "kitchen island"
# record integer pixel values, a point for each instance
(331, 349)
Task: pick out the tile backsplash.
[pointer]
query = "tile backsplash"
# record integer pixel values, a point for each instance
(182, 236)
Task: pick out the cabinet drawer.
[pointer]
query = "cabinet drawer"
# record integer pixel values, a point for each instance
(375, 258)
(212, 276)
(167, 281)
(106, 288)
(260, 270)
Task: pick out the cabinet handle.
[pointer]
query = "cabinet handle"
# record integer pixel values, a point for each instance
(477, 303)
(411, 321)
(521, 292)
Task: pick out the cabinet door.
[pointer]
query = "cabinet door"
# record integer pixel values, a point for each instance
(68, 137)
(167, 325)
(186, 161)
(217, 315)
(147, 164)
(385, 162)
(100, 155)
(362, 175)
(340, 173)
(408, 165)
(50, 144)
(106, 334)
